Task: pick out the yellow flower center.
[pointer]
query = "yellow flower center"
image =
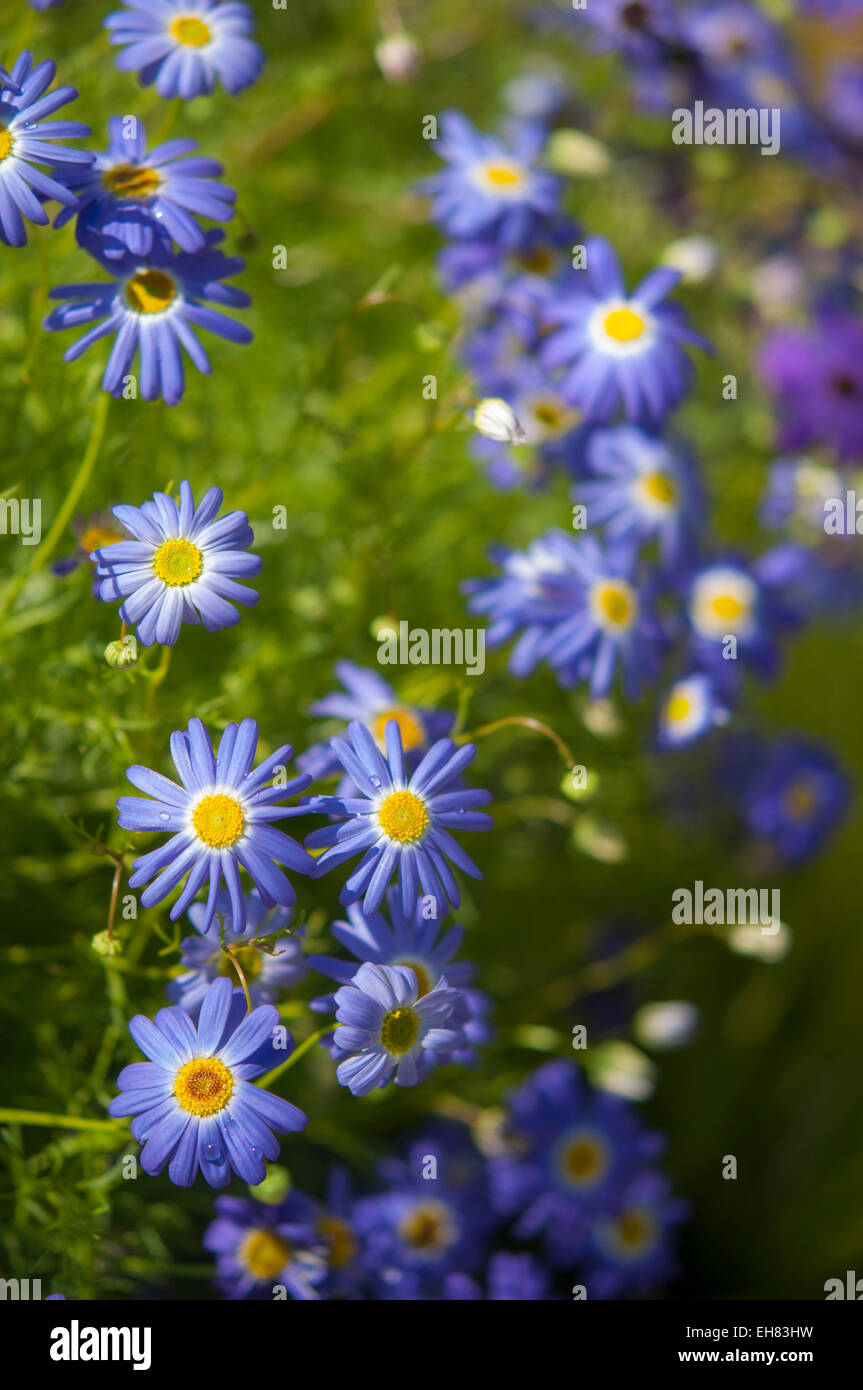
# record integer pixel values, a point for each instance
(203, 1086)
(634, 1230)
(177, 562)
(150, 291)
(424, 983)
(624, 325)
(614, 603)
(264, 1254)
(582, 1161)
(547, 415)
(189, 30)
(428, 1227)
(6, 144)
(339, 1239)
(659, 488)
(410, 728)
(399, 1031)
(678, 708)
(502, 176)
(131, 181)
(539, 261)
(96, 537)
(218, 820)
(799, 801)
(727, 607)
(403, 817)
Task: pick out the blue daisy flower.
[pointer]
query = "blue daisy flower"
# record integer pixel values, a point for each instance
(433, 1220)
(153, 308)
(384, 1027)
(337, 1231)
(258, 1246)
(400, 824)
(413, 940)
(128, 198)
(185, 46)
(510, 1278)
(373, 701)
(490, 190)
(630, 1251)
(618, 349)
(795, 797)
(641, 489)
(218, 820)
(690, 709)
(553, 434)
(729, 599)
(193, 1103)
(27, 140)
(641, 31)
(268, 972)
(574, 1152)
(182, 567)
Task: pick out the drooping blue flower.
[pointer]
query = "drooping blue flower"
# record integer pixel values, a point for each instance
(630, 1251)
(795, 797)
(154, 311)
(91, 532)
(433, 1220)
(27, 140)
(640, 489)
(218, 820)
(373, 701)
(268, 972)
(490, 190)
(619, 349)
(400, 824)
(690, 709)
(182, 567)
(128, 198)
(193, 1101)
(384, 1027)
(575, 1150)
(185, 46)
(413, 940)
(259, 1246)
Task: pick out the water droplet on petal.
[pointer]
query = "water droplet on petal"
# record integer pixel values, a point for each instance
(212, 1154)
(164, 815)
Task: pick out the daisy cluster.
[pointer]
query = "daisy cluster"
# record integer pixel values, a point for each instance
(567, 1187)
(580, 374)
(137, 208)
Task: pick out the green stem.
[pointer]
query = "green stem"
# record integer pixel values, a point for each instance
(42, 1118)
(526, 721)
(42, 553)
(305, 1046)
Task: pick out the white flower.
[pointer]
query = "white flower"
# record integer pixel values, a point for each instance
(497, 420)
(672, 1023)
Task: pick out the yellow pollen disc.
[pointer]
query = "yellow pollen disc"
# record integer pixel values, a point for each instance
(131, 181)
(678, 708)
(581, 1160)
(410, 728)
(264, 1254)
(624, 325)
(339, 1240)
(177, 562)
(6, 144)
(547, 415)
(503, 177)
(660, 487)
(96, 537)
(539, 261)
(203, 1086)
(403, 817)
(727, 606)
(399, 1030)
(427, 1227)
(150, 292)
(218, 820)
(799, 801)
(250, 959)
(615, 603)
(633, 1230)
(189, 30)
(424, 983)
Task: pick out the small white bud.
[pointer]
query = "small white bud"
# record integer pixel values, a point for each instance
(672, 1023)
(398, 57)
(497, 420)
(696, 257)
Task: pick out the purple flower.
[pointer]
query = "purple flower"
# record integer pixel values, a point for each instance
(185, 46)
(816, 377)
(384, 1027)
